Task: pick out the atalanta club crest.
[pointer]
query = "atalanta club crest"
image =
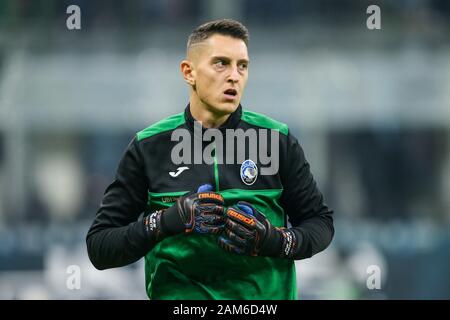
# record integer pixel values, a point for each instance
(249, 172)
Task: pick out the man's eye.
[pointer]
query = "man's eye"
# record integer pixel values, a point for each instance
(243, 66)
(219, 63)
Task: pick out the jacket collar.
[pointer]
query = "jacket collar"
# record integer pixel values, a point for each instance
(230, 123)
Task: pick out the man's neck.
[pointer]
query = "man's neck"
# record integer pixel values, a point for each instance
(202, 113)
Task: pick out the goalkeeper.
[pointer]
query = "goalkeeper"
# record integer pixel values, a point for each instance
(215, 229)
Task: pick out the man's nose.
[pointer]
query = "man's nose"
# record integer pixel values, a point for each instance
(234, 75)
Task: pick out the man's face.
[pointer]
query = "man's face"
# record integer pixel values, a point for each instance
(220, 72)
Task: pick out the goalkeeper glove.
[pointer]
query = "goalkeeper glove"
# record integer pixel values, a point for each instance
(248, 232)
(200, 212)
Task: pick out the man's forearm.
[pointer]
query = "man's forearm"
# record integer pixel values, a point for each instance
(118, 246)
(115, 246)
(312, 236)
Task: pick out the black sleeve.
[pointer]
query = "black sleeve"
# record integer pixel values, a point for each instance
(116, 237)
(311, 219)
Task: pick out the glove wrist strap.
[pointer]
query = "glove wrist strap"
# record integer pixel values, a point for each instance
(152, 226)
(290, 242)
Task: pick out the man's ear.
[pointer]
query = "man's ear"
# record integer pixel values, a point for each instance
(188, 72)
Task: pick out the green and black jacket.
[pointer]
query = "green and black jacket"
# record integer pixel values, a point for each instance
(192, 266)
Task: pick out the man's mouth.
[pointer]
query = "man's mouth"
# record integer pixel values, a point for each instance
(230, 93)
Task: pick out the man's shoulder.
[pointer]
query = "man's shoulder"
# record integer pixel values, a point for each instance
(262, 120)
(166, 124)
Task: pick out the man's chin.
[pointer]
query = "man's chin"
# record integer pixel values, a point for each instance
(224, 108)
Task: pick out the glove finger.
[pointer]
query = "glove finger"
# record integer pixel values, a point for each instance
(251, 210)
(230, 246)
(208, 229)
(211, 221)
(240, 217)
(205, 197)
(209, 216)
(210, 209)
(205, 188)
(246, 207)
(208, 221)
(240, 230)
(214, 220)
(235, 238)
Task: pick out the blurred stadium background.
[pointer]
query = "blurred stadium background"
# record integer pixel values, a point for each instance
(370, 107)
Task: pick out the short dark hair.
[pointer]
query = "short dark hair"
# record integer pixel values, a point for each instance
(226, 27)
